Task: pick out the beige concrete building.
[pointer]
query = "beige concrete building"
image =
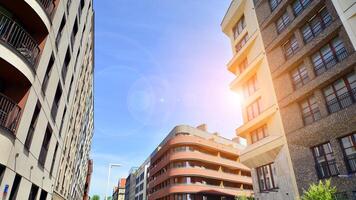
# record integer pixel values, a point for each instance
(46, 58)
(141, 180)
(301, 129)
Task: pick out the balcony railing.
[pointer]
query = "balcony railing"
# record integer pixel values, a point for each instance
(17, 37)
(327, 169)
(342, 101)
(325, 64)
(9, 113)
(48, 6)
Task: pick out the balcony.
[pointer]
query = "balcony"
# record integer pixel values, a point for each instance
(15, 36)
(9, 113)
(48, 6)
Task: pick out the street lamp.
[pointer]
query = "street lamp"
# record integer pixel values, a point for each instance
(107, 186)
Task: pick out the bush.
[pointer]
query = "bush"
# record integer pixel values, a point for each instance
(320, 191)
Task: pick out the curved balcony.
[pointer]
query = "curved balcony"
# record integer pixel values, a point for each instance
(199, 188)
(198, 156)
(18, 39)
(201, 172)
(194, 140)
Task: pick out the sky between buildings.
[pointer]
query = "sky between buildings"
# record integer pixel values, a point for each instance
(159, 63)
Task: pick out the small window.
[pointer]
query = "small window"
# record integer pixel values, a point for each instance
(66, 64)
(15, 187)
(259, 134)
(254, 109)
(299, 6)
(43, 195)
(299, 76)
(241, 43)
(32, 127)
(267, 177)
(60, 30)
(348, 145)
(310, 110)
(250, 87)
(47, 74)
(290, 47)
(33, 192)
(316, 24)
(239, 27)
(45, 146)
(325, 161)
(57, 98)
(274, 3)
(283, 22)
(53, 159)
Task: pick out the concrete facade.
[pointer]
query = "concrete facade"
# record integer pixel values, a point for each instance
(141, 180)
(310, 51)
(42, 59)
(262, 126)
(191, 163)
(130, 185)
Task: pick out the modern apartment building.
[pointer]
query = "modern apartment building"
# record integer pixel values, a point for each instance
(191, 163)
(119, 191)
(141, 180)
(309, 58)
(130, 185)
(43, 48)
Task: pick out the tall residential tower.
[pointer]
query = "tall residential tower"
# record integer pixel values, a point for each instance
(46, 58)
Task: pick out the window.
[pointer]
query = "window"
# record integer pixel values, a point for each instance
(141, 187)
(60, 31)
(259, 134)
(241, 43)
(53, 159)
(57, 98)
(325, 161)
(33, 192)
(274, 3)
(299, 76)
(47, 74)
(43, 195)
(65, 65)
(2, 172)
(250, 87)
(316, 24)
(242, 66)
(32, 127)
(299, 6)
(254, 109)
(290, 47)
(283, 22)
(267, 177)
(142, 176)
(70, 87)
(15, 187)
(45, 146)
(74, 33)
(348, 144)
(329, 55)
(341, 94)
(310, 110)
(239, 27)
(62, 121)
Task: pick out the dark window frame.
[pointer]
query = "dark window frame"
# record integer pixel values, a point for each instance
(351, 168)
(262, 168)
(328, 162)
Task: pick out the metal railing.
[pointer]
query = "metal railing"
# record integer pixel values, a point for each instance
(17, 37)
(9, 113)
(48, 6)
(325, 64)
(327, 169)
(342, 101)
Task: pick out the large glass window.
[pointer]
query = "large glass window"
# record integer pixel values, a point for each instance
(348, 144)
(316, 24)
(290, 47)
(341, 94)
(283, 22)
(267, 177)
(325, 161)
(329, 55)
(310, 110)
(259, 134)
(299, 76)
(299, 6)
(239, 27)
(254, 109)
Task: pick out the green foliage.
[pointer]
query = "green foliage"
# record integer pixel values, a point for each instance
(95, 197)
(320, 191)
(243, 198)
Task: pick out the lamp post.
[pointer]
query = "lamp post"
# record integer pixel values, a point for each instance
(107, 186)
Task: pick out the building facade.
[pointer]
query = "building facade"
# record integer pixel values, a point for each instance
(42, 59)
(130, 185)
(310, 50)
(191, 163)
(141, 180)
(119, 191)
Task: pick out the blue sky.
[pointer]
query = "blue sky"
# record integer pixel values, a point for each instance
(159, 63)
